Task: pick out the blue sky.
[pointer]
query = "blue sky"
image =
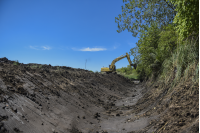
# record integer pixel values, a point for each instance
(63, 32)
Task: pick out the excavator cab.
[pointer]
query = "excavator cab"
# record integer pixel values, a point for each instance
(111, 68)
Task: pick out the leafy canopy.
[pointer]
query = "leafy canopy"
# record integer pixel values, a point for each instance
(137, 15)
(154, 46)
(187, 17)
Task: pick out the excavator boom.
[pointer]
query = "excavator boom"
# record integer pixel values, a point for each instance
(112, 67)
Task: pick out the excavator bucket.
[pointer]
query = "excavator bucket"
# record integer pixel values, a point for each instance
(134, 65)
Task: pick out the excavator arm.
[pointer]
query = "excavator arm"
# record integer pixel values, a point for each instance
(112, 67)
(129, 60)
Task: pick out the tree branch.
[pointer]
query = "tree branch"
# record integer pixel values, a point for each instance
(170, 5)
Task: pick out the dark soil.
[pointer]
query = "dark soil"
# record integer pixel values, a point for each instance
(37, 98)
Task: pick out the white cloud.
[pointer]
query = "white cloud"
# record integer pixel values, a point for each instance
(34, 47)
(92, 49)
(40, 48)
(46, 47)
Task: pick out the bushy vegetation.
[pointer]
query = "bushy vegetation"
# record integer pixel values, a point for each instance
(187, 17)
(94, 72)
(128, 72)
(34, 66)
(183, 64)
(16, 62)
(154, 46)
(167, 49)
(162, 54)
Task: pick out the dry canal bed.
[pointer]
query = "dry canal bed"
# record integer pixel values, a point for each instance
(37, 98)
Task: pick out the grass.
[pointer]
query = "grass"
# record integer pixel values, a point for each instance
(16, 63)
(131, 76)
(58, 69)
(183, 65)
(34, 66)
(94, 72)
(128, 73)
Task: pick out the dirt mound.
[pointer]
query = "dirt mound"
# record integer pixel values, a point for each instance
(39, 98)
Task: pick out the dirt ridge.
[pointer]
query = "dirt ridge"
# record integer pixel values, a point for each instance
(40, 98)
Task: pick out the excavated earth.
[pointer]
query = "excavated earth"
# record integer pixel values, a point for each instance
(37, 98)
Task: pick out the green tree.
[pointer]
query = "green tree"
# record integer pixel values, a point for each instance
(167, 42)
(154, 46)
(161, 24)
(187, 17)
(147, 50)
(135, 54)
(137, 15)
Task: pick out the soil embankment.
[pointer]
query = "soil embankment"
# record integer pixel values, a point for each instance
(37, 98)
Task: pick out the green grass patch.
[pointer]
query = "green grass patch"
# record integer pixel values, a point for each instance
(16, 63)
(131, 76)
(183, 64)
(128, 72)
(34, 66)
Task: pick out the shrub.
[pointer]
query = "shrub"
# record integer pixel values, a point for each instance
(183, 64)
(16, 63)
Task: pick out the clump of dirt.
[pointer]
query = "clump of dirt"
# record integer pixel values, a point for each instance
(56, 99)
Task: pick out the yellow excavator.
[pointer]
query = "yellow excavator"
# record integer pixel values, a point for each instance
(112, 67)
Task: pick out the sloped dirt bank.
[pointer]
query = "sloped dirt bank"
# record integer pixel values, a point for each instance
(37, 98)
(173, 109)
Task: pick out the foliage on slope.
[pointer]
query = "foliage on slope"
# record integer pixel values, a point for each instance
(128, 72)
(166, 50)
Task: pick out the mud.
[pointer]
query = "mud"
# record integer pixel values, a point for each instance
(36, 98)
